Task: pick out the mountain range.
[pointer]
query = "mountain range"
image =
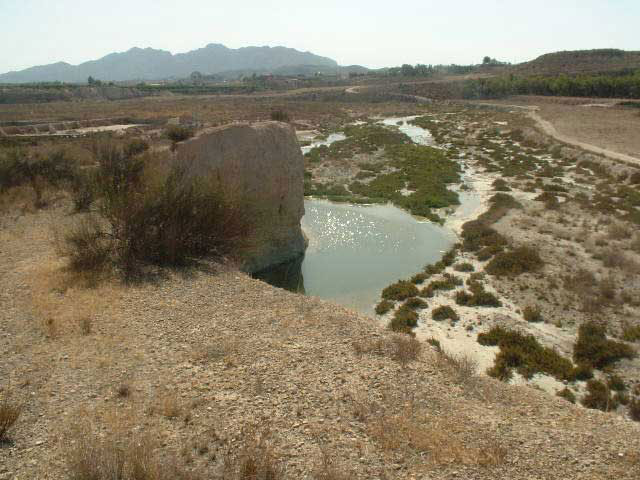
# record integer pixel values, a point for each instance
(152, 64)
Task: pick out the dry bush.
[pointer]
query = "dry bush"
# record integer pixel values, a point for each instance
(9, 413)
(439, 437)
(402, 348)
(152, 213)
(329, 469)
(169, 405)
(618, 231)
(254, 458)
(113, 457)
(462, 367)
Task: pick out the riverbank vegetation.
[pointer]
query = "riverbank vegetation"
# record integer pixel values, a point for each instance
(604, 86)
(412, 177)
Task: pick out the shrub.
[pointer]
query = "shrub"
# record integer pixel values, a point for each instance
(582, 372)
(82, 190)
(598, 397)
(280, 115)
(567, 395)
(532, 314)
(92, 457)
(631, 333)
(525, 354)
(419, 278)
(476, 235)
(500, 371)
(17, 169)
(477, 298)
(444, 312)
(435, 343)
(404, 320)
(486, 253)
(593, 348)
(136, 146)
(383, 307)
(615, 383)
(415, 303)
(400, 290)
(9, 414)
(500, 185)
(504, 201)
(463, 267)
(169, 219)
(87, 247)
(515, 262)
(634, 409)
(178, 133)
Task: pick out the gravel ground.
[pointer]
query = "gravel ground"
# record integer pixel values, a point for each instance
(204, 354)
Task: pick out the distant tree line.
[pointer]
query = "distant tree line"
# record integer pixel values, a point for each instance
(421, 70)
(607, 86)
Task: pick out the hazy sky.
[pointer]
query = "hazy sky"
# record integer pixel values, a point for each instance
(370, 32)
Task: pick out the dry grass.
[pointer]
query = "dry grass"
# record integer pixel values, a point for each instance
(169, 406)
(462, 368)
(254, 458)
(114, 457)
(9, 413)
(329, 469)
(401, 348)
(439, 437)
(63, 304)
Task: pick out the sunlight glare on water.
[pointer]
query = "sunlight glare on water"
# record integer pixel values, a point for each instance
(355, 251)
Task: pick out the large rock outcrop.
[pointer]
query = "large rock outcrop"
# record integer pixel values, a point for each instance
(262, 165)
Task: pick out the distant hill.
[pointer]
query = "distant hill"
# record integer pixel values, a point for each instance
(151, 64)
(580, 61)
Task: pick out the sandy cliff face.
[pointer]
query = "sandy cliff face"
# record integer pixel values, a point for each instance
(260, 164)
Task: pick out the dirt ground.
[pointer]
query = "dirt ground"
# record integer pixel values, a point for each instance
(594, 121)
(202, 361)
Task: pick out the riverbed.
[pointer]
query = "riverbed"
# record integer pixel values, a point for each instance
(355, 251)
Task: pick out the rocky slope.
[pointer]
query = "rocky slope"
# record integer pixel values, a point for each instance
(194, 358)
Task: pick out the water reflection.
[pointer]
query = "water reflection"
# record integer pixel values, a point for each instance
(286, 275)
(355, 251)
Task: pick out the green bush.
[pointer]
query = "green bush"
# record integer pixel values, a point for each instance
(615, 383)
(598, 397)
(399, 291)
(383, 307)
(444, 312)
(177, 133)
(500, 371)
(477, 297)
(593, 348)
(136, 146)
(419, 278)
(463, 267)
(476, 235)
(415, 303)
(567, 395)
(280, 115)
(582, 372)
(515, 262)
(631, 333)
(500, 185)
(532, 314)
(404, 320)
(525, 354)
(634, 409)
